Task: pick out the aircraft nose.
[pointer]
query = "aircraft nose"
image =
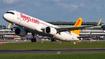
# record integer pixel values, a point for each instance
(6, 16)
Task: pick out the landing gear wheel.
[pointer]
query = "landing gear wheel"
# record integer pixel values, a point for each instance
(33, 40)
(52, 40)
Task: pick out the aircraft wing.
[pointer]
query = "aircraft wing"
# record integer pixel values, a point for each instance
(60, 29)
(71, 28)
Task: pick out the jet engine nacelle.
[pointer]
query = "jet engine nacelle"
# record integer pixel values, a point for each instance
(50, 30)
(20, 31)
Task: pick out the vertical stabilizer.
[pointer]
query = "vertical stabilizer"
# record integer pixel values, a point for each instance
(100, 21)
(78, 23)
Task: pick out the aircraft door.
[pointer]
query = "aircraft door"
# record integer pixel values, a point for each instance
(19, 19)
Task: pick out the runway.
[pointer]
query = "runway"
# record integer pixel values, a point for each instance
(52, 51)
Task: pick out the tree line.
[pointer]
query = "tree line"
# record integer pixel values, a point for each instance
(2, 27)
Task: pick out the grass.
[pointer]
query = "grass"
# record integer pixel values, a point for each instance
(52, 45)
(3, 41)
(54, 56)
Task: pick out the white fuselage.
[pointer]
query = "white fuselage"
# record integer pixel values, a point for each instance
(36, 25)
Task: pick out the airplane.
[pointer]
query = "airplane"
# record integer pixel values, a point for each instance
(33, 25)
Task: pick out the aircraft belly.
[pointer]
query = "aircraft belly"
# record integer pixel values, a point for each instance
(65, 36)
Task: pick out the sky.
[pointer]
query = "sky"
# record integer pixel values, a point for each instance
(56, 10)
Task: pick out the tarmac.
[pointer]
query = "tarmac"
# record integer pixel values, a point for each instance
(53, 51)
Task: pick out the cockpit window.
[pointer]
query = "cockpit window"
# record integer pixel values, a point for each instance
(10, 12)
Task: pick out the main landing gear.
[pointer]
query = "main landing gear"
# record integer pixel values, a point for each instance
(33, 39)
(52, 40)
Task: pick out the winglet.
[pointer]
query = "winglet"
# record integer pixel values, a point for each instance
(100, 21)
(9, 25)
